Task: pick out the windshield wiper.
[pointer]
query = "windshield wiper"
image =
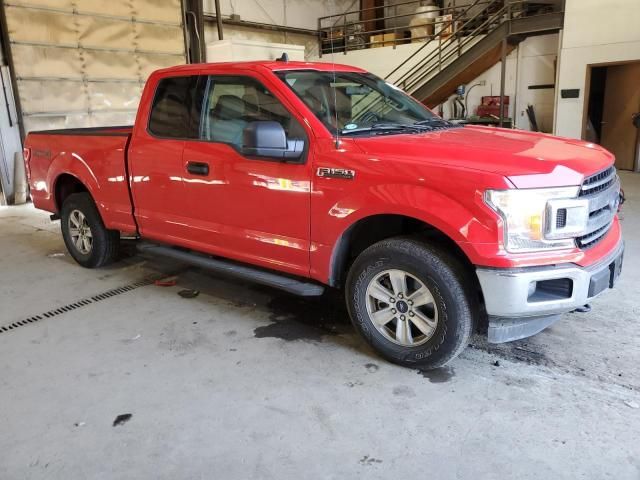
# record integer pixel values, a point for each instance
(386, 127)
(435, 123)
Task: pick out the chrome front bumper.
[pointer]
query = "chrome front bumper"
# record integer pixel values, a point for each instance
(521, 302)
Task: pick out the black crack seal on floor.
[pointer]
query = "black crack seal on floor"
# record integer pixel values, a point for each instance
(438, 375)
(122, 419)
(367, 460)
(309, 319)
(78, 304)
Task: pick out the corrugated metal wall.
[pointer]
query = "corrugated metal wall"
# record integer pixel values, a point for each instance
(83, 63)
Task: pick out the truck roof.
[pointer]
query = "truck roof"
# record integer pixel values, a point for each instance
(272, 65)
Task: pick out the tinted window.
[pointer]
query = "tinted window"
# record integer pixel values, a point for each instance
(232, 102)
(349, 100)
(175, 111)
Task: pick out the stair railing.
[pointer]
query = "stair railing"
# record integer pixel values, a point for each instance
(463, 36)
(451, 47)
(432, 38)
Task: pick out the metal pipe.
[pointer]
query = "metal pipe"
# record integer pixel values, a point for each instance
(219, 20)
(344, 36)
(8, 58)
(319, 40)
(503, 73)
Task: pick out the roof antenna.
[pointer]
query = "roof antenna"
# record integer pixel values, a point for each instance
(283, 58)
(333, 63)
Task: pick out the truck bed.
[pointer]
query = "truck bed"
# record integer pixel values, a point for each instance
(57, 157)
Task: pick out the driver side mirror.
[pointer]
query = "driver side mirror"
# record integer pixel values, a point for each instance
(268, 139)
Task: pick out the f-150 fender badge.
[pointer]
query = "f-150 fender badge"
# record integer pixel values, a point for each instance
(336, 173)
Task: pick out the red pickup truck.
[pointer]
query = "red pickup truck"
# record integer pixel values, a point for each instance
(305, 175)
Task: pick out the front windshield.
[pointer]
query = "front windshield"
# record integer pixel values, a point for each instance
(355, 102)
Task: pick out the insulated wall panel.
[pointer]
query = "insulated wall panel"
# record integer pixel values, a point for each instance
(100, 32)
(63, 4)
(40, 96)
(84, 62)
(110, 96)
(159, 38)
(156, 10)
(35, 61)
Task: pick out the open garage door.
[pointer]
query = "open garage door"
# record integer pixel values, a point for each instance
(83, 63)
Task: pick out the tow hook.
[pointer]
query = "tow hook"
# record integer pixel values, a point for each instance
(622, 200)
(583, 309)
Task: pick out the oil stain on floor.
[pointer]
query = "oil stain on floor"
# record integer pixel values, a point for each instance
(310, 319)
(438, 375)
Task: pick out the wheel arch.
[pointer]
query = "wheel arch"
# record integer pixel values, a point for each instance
(67, 184)
(373, 228)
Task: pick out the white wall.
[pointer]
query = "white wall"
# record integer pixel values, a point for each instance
(293, 13)
(595, 32)
(532, 63)
(380, 61)
(236, 33)
(234, 50)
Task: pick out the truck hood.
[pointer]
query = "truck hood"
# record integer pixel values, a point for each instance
(527, 159)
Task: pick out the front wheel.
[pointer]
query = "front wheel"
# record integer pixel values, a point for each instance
(410, 301)
(87, 239)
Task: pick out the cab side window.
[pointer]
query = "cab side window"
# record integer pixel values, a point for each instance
(232, 102)
(173, 113)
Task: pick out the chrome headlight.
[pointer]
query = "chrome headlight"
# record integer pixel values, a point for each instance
(540, 218)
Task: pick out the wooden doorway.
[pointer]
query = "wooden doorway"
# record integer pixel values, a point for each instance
(614, 98)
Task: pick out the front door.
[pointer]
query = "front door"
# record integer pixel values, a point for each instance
(250, 209)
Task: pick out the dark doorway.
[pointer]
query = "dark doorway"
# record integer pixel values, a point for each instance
(614, 99)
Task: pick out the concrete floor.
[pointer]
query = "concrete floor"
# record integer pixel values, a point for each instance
(246, 382)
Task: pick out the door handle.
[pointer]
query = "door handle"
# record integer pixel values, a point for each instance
(198, 168)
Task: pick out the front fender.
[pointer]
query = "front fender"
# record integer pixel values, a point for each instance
(463, 218)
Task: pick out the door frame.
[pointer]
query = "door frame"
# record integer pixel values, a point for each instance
(587, 94)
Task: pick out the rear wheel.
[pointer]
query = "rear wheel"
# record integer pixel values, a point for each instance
(410, 301)
(84, 233)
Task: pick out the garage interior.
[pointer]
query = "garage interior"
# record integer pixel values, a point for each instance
(151, 368)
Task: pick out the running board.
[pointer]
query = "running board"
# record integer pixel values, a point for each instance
(264, 277)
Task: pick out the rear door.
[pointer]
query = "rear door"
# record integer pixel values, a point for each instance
(251, 209)
(155, 157)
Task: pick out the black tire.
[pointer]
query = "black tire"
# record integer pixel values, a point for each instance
(433, 268)
(104, 243)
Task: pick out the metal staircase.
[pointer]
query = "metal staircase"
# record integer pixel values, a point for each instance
(432, 73)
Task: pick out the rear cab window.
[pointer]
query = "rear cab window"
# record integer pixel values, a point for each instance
(175, 110)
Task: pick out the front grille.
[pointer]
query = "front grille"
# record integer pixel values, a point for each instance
(598, 182)
(591, 239)
(602, 190)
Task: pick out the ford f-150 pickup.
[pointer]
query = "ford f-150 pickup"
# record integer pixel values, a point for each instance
(307, 175)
